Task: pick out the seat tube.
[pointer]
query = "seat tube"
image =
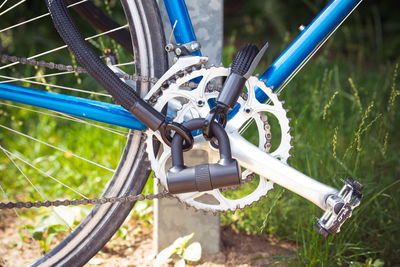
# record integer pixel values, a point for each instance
(183, 32)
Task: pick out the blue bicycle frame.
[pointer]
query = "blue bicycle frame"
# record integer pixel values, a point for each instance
(282, 70)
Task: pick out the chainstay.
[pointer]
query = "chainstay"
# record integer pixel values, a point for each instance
(88, 201)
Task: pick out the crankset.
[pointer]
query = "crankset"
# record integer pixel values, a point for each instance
(204, 111)
(198, 186)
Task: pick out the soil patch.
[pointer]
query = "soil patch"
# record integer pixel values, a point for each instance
(135, 248)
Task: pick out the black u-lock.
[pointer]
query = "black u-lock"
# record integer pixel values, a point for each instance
(203, 177)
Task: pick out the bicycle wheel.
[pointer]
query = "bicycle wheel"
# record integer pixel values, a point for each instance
(132, 170)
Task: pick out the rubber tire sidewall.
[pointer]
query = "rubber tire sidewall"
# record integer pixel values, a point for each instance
(134, 168)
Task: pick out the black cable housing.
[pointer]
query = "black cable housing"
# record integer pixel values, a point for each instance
(85, 55)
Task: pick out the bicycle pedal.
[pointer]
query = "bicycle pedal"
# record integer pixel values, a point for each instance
(339, 207)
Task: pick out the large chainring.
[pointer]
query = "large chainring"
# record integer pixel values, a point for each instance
(184, 104)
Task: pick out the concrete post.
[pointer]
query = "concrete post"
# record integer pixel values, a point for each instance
(172, 219)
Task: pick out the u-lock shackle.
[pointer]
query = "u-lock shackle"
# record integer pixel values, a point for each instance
(203, 177)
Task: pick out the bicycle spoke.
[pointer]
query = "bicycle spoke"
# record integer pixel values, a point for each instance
(24, 22)
(77, 3)
(41, 171)
(36, 189)
(35, 18)
(115, 131)
(2, 4)
(70, 118)
(65, 46)
(107, 32)
(12, 7)
(57, 86)
(26, 177)
(23, 223)
(13, 79)
(124, 64)
(57, 148)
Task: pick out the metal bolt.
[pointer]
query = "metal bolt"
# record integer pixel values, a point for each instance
(169, 47)
(178, 51)
(301, 27)
(200, 103)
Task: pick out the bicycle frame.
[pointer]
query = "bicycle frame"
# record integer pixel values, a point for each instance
(282, 70)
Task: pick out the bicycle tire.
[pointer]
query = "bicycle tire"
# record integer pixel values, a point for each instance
(133, 169)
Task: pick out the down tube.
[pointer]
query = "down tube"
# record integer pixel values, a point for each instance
(72, 105)
(306, 44)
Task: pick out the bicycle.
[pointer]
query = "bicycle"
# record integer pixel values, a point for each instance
(183, 112)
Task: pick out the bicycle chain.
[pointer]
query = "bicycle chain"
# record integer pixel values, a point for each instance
(153, 99)
(70, 68)
(88, 201)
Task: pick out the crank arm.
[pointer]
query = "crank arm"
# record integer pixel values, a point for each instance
(259, 162)
(252, 158)
(338, 206)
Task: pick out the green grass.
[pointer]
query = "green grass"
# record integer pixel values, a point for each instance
(345, 125)
(89, 142)
(345, 111)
